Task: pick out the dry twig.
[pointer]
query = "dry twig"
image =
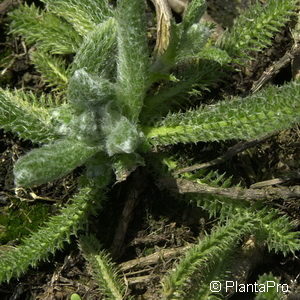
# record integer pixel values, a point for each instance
(274, 69)
(132, 200)
(183, 186)
(292, 56)
(237, 148)
(154, 258)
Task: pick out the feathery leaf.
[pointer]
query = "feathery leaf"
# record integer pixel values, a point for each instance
(201, 75)
(208, 251)
(193, 13)
(270, 110)
(52, 68)
(271, 228)
(270, 288)
(28, 120)
(49, 237)
(252, 30)
(103, 269)
(83, 15)
(277, 231)
(47, 31)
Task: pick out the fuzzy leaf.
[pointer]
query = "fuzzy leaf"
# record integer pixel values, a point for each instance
(97, 51)
(132, 57)
(51, 162)
(85, 128)
(87, 92)
(89, 95)
(122, 136)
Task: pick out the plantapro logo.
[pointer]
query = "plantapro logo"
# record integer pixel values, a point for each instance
(227, 286)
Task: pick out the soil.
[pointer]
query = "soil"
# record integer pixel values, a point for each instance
(159, 221)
